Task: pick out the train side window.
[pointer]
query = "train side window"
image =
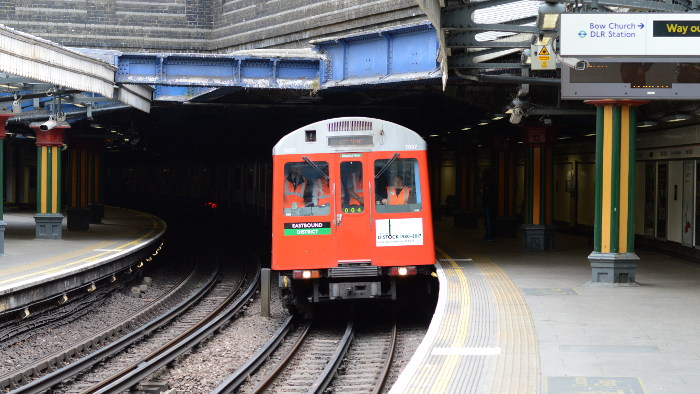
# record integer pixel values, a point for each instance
(398, 186)
(352, 191)
(306, 189)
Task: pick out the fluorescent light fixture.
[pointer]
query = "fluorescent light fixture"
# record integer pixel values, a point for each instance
(548, 15)
(497, 116)
(434, 135)
(675, 118)
(467, 128)
(646, 123)
(589, 135)
(483, 122)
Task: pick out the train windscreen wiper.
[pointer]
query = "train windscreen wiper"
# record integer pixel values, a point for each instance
(315, 167)
(388, 163)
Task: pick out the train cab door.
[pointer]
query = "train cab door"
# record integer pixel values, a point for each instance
(352, 196)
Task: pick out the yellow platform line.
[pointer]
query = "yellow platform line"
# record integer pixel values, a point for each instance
(458, 328)
(60, 257)
(518, 365)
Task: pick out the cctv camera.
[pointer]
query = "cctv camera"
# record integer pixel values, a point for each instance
(48, 125)
(576, 64)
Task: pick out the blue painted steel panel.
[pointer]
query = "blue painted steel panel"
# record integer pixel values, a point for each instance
(261, 69)
(199, 69)
(367, 58)
(297, 70)
(414, 52)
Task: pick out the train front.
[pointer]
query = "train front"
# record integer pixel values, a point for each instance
(351, 212)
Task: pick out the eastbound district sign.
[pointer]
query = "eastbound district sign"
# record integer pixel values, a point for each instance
(630, 34)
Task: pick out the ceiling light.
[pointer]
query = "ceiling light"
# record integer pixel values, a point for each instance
(589, 135)
(647, 123)
(548, 15)
(483, 122)
(498, 116)
(675, 118)
(466, 128)
(434, 135)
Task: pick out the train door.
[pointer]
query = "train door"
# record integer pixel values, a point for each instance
(353, 191)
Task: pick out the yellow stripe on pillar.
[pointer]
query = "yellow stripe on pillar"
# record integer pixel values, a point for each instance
(624, 176)
(607, 179)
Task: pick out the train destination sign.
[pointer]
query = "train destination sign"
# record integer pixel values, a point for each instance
(630, 34)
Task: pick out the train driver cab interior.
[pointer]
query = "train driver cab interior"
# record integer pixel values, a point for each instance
(397, 185)
(306, 189)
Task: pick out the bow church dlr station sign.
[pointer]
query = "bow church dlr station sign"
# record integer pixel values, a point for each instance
(630, 56)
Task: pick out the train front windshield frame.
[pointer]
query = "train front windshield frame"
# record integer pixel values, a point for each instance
(303, 193)
(407, 170)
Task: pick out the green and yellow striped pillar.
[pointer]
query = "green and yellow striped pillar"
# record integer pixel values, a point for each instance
(503, 163)
(613, 259)
(3, 223)
(538, 230)
(467, 176)
(49, 144)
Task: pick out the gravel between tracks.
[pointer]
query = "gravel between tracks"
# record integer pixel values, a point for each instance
(102, 314)
(207, 366)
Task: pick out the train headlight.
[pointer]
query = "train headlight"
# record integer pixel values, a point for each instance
(306, 274)
(403, 271)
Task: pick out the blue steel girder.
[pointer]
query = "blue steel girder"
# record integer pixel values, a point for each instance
(406, 53)
(401, 54)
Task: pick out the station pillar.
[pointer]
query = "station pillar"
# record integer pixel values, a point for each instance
(3, 223)
(49, 219)
(613, 259)
(505, 224)
(538, 229)
(84, 177)
(466, 214)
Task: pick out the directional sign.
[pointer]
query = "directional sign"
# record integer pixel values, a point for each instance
(542, 58)
(630, 34)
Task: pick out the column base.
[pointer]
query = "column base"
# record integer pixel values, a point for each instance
(613, 268)
(538, 236)
(49, 225)
(3, 225)
(78, 219)
(98, 212)
(465, 219)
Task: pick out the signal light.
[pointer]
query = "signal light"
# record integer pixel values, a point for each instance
(403, 271)
(306, 274)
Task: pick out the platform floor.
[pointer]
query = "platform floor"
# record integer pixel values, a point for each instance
(29, 261)
(531, 322)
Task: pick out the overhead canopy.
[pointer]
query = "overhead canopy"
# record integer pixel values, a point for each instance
(32, 57)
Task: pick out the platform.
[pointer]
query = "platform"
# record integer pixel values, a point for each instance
(510, 321)
(33, 269)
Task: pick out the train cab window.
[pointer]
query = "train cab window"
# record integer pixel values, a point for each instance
(397, 185)
(306, 189)
(352, 192)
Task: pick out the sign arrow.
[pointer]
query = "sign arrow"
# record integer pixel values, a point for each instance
(641, 25)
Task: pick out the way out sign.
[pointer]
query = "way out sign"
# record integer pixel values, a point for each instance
(542, 58)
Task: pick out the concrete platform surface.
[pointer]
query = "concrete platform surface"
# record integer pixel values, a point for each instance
(531, 322)
(29, 262)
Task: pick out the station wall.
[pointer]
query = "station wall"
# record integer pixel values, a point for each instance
(200, 25)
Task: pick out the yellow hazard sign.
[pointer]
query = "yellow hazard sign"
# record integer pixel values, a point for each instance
(542, 58)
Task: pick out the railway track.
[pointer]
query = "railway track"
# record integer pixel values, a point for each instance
(219, 296)
(323, 356)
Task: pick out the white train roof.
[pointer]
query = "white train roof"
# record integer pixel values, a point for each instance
(349, 134)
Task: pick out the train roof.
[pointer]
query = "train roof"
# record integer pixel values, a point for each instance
(349, 134)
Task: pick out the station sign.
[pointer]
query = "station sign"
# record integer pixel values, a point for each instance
(542, 58)
(630, 34)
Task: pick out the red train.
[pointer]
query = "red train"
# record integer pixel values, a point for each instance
(351, 213)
